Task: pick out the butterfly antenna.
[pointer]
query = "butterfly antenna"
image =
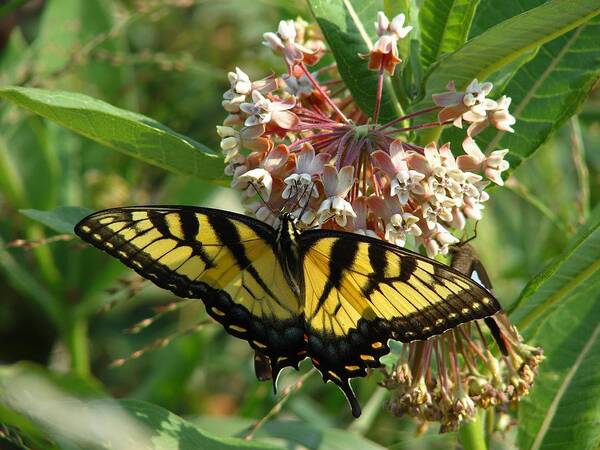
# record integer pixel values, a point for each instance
(293, 195)
(262, 199)
(310, 189)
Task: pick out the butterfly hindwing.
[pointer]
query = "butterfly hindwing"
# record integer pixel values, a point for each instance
(361, 291)
(225, 259)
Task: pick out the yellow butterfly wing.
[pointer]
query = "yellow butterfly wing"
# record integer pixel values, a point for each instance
(360, 292)
(225, 259)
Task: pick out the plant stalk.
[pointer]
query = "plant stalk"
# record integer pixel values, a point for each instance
(472, 434)
(77, 342)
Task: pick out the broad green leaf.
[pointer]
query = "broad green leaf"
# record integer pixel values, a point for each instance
(549, 89)
(502, 44)
(293, 432)
(348, 29)
(560, 310)
(128, 132)
(492, 12)
(562, 409)
(19, 384)
(171, 432)
(62, 219)
(574, 270)
(444, 26)
(75, 412)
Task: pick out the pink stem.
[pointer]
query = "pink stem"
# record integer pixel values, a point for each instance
(379, 94)
(325, 96)
(418, 127)
(408, 116)
(314, 137)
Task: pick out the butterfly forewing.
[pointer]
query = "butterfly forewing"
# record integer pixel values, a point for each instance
(225, 259)
(360, 292)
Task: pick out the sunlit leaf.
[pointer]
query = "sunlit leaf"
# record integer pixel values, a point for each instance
(549, 89)
(293, 433)
(174, 433)
(128, 132)
(500, 45)
(444, 27)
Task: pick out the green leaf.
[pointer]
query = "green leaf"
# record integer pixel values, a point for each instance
(574, 270)
(292, 432)
(492, 12)
(348, 29)
(444, 26)
(174, 433)
(502, 44)
(62, 219)
(128, 132)
(560, 310)
(547, 90)
(81, 415)
(562, 409)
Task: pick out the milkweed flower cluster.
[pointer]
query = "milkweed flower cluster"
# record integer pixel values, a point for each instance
(299, 142)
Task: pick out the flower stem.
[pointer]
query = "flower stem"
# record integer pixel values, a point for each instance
(472, 435)
(379, 94)
(325, 96)
(408, 116)
(418, 127)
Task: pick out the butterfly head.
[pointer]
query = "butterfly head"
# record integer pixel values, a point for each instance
(288, 225)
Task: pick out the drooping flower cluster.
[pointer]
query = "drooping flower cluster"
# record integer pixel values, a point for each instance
(444, 379)
(298, 142)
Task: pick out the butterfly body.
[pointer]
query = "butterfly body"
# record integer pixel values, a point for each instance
(332, 296)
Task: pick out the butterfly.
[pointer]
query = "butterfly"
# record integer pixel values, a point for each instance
(331, 296)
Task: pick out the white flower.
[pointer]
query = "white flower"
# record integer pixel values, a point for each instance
(305, 216)
(492, 166)
(470, 105)
(384, 53)
(360, 224)
(307, 165)
(399, 225)
(396, 28)
(298, 87)
(263, 111)
(438, 241)
(258, 179)
(337, 208)
(403, 180)
(499, 117)
(441, 210)
(284, 42)
(336, 185)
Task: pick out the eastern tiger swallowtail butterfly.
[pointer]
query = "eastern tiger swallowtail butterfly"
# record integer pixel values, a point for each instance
(331, 296)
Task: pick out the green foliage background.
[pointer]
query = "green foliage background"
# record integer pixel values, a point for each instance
(151, 75)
